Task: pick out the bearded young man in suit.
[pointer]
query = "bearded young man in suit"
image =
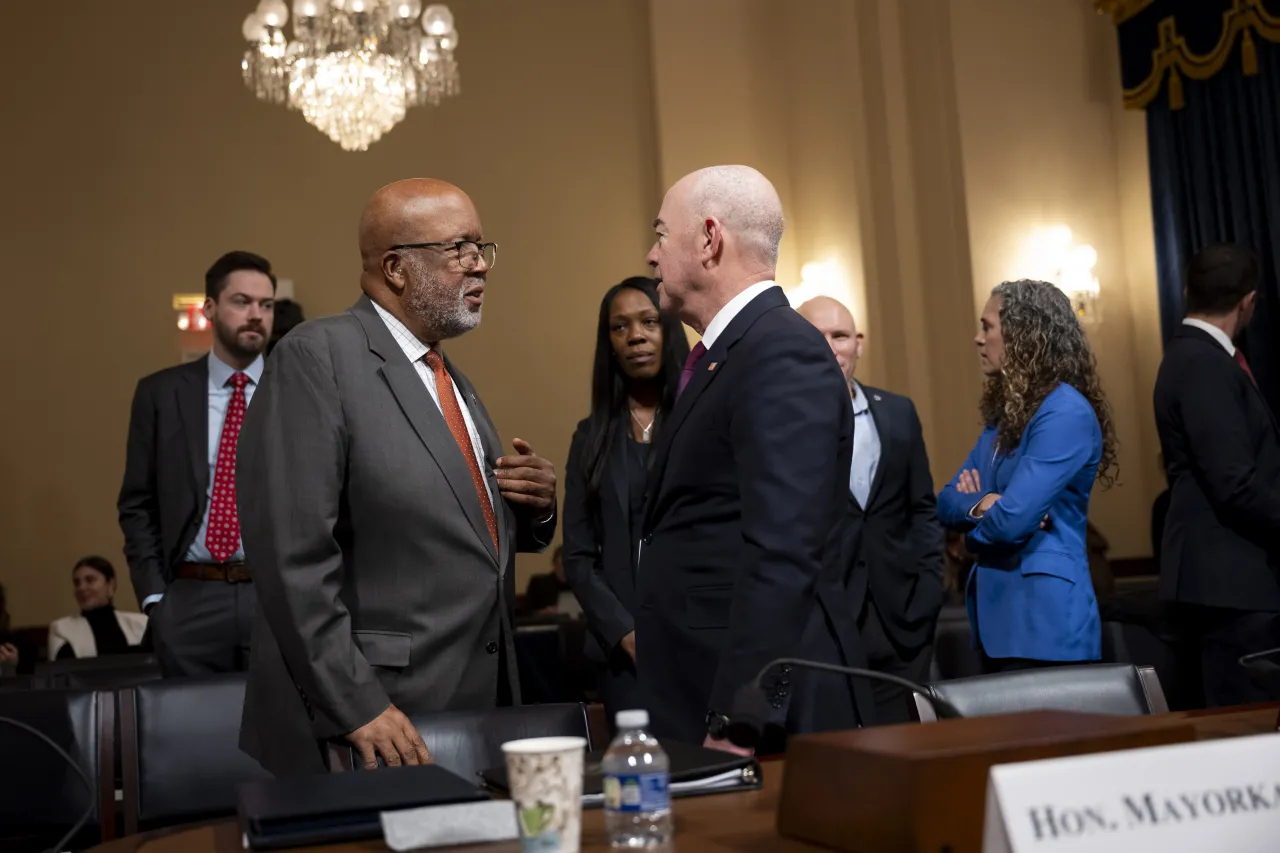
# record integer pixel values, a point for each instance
(894, 543)
(380, 516)
(739, 556)
(177, 504)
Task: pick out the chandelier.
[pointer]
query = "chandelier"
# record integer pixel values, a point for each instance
(353, 66)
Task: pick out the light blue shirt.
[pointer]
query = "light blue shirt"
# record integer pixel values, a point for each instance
(219, 394)
(866, 448)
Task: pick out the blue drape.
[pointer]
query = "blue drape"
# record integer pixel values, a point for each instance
(1215, 177)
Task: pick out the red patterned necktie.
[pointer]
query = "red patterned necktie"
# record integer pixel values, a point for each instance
(458, 426)
(222, 538)
(1240, 360)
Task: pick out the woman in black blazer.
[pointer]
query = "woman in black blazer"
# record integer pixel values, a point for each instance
(639, 356)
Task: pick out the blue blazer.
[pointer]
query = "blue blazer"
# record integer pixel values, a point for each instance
(1030, 594)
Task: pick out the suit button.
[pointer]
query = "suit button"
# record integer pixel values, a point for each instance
(777, 703)
(492, 648)
(786, 669)
(862, 564)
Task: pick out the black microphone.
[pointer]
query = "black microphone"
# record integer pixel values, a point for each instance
(751, 706)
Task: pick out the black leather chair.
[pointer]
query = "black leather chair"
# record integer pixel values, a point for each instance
(467, 742)
(180, 750)
(110, 672)
(1103, 688)
(41, 798)
(953, 653)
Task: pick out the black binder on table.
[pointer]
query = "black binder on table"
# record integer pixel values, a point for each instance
(323, 809)
(695, 770)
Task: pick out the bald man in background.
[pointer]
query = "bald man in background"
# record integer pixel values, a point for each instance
(381, 516)
(893, 545)
(746, 497)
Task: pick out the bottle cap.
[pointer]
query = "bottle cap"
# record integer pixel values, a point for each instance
(636, 719)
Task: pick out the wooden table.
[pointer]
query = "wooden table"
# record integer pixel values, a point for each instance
(724, 823)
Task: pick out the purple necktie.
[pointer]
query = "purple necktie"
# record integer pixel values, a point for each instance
(695, 355)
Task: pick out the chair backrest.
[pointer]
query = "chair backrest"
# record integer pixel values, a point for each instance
(1102, 688)
(953, 650)
(467, 742)
(109, 672)
(40, 796)
(180, 750)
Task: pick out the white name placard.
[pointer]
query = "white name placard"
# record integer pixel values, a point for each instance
(1221, 796)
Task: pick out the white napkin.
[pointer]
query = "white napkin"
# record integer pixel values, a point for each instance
(460, 823)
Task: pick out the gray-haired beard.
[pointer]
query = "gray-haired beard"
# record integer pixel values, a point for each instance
(440, 307)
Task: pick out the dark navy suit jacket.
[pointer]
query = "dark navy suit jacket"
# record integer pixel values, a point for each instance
(745, 516)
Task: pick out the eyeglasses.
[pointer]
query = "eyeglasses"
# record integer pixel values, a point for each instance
(469, 251)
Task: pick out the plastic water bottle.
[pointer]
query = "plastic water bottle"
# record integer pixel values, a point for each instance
(637, 802)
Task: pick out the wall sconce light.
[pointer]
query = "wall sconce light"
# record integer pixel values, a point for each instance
(1050, 255)
(190, 316)
(819, 278)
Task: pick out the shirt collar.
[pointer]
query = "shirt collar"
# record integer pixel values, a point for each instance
(413, 348)
(220, 372)
(860, 403)
(730, 310)
(1213, 332)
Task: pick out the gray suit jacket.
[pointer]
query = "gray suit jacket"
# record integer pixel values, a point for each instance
(377, 579)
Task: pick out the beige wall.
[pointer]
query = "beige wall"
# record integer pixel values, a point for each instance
(913, 143)
(133, 156)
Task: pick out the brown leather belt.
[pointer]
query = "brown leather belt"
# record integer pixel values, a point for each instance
(226, 572)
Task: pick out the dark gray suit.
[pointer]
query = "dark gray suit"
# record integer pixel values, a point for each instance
(199, 627)
(377, 577)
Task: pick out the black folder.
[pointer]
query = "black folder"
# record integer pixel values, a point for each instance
(695, 771)
(324, 809)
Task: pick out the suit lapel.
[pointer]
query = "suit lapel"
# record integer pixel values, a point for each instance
(193, 409)
(708, 368)
(884, 430)
(423, 414)
(616, 471)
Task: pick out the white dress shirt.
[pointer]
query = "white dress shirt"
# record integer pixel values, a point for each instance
(415, 350)
(1213, 332)
(731, 309)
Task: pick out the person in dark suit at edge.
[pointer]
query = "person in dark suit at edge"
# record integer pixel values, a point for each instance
(894, 543)
(739, 558)
(1220, 554)
(380, 515)
(177, 504)
(638, 358)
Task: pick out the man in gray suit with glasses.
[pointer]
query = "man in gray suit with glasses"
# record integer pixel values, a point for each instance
(380, 514)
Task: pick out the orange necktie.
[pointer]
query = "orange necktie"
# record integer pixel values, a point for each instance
(458, 426)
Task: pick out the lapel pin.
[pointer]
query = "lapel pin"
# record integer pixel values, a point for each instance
(712, 366)
(876, 397)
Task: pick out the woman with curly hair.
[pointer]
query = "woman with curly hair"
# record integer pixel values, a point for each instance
(1022, 496)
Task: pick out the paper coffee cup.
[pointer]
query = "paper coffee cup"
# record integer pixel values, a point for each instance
(545, 774)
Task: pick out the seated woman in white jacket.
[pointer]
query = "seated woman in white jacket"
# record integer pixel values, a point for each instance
(100, 629)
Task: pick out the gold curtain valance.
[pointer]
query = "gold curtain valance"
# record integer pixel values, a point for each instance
(1173, 58)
